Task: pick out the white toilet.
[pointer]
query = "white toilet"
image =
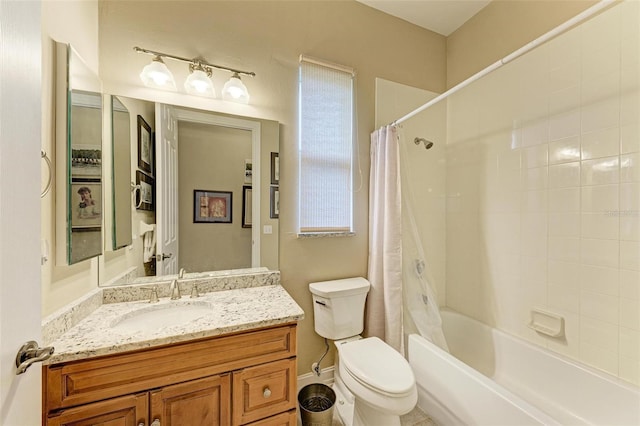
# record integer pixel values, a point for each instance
(374, 384)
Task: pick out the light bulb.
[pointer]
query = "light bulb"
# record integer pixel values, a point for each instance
(234, 90)
(157, 75)
(199, 83)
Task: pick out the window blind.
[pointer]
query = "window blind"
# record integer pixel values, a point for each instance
(325, 148)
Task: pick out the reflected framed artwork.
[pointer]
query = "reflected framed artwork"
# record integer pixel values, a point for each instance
(275, 168)
(145, 147)
(274, 212)
(247, 210)
(86, 210)
(212, 206)
(145, 196)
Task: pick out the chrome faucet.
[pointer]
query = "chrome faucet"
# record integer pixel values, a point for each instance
(174, 289)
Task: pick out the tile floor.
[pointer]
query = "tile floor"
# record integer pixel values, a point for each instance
(415, 418)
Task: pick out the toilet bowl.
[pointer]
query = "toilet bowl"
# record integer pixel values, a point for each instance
(379, 378)
(371, 374)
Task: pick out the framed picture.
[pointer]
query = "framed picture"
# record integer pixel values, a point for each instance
(274, 211)
(145, 197)
(247, 211)
(86, 205)
(212, 206)
(275, 168)
(145, 146)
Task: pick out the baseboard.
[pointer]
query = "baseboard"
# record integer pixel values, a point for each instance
(326, 377)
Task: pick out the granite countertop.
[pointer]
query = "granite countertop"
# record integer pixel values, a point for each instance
(100, 332)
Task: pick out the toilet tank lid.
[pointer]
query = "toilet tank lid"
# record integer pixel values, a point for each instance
(340, 288)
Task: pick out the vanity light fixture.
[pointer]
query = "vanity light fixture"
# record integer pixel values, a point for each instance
(157, 75)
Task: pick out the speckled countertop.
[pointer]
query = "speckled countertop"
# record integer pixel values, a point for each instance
(104, 330)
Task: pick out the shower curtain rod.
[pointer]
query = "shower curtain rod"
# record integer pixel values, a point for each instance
(587, 13)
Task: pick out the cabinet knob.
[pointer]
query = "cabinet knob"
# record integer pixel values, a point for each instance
(156, 422)
(141, 424)
(266, 392)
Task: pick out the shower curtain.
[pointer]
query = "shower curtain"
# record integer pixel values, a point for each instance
(384, 302)
(389, 267)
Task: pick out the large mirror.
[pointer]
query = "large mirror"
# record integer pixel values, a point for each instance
(79, 155)
(223, 166)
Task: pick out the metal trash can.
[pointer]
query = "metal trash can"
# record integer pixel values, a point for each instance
(316, 404)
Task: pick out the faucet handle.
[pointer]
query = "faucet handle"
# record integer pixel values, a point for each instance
(154, 293)
(194, 291)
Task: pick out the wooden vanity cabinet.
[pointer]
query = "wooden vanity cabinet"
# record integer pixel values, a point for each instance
(240, 379)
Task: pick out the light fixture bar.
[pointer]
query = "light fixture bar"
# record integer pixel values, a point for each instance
(192, 61)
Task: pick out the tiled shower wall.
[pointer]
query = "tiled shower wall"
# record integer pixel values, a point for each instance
(543, 193)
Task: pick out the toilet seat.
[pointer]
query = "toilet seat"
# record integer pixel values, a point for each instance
(378, 367)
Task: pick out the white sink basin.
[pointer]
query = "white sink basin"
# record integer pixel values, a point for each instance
(156, 317)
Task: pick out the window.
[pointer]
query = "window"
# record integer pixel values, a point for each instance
(326, 105)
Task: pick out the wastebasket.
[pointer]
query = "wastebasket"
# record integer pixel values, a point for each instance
(316, 404)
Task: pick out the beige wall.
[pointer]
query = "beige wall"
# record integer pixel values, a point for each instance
(72, 22)
(267, 37)
(543, 179)
(212, 158)
(502, 27)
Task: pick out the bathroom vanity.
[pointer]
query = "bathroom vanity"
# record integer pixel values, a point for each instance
(234, 366)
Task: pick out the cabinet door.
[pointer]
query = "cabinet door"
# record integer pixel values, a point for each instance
(264, 390)
(204, 402)
(128, 410)
(289, 418)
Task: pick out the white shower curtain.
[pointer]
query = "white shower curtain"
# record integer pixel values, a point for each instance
(384, 302)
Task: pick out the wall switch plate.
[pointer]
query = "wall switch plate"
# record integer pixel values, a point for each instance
(268, 229)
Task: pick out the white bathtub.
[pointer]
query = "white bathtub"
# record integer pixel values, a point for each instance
(520, 384)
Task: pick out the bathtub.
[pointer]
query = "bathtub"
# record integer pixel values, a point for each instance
(498, 379)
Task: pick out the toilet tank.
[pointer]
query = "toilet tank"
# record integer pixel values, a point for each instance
(338, 307)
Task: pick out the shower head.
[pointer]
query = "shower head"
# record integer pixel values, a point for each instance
(427, 144)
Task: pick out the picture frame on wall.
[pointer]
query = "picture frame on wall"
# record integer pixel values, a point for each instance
(275, 168)
(274, 202)
(146, 149)
(212, 206)
(145, 196)
(247, 210)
